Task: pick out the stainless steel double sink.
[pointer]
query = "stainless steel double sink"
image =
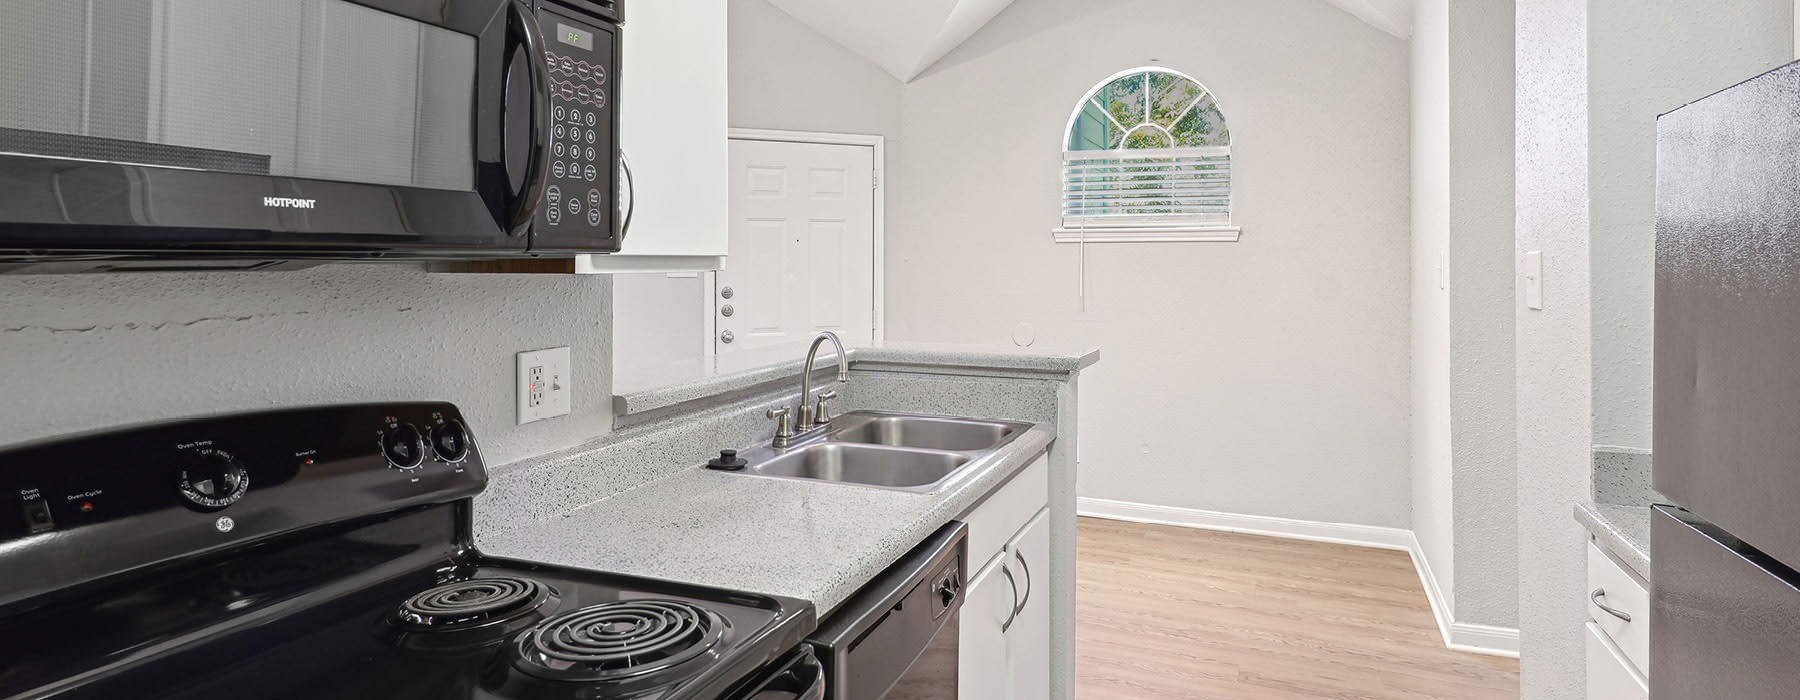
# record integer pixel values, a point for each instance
(899, 451)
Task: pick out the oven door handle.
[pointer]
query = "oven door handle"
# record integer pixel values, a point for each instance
(816, 689)
(537, 160)
(802, 679)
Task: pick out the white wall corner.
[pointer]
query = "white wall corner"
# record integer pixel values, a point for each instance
(1460, 636)
(1440, 604)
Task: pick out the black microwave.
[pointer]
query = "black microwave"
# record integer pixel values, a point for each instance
(169, 134)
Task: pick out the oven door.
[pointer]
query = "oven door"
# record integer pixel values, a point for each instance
(344, 128)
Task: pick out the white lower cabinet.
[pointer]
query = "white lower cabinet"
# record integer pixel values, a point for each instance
(1028, 640)
(981, 644)
(1610, 676)
(1004, 639)
(1618, 630)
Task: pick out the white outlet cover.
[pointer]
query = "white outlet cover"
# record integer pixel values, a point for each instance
(557, 390)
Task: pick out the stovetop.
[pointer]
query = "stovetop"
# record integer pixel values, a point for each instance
(393, 604)
(330, 618)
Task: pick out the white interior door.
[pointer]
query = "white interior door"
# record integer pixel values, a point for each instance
(802, 251)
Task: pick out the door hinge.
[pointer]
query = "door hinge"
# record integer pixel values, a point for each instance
(874, 179)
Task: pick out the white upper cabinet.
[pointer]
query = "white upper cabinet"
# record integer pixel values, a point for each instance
(674, 131)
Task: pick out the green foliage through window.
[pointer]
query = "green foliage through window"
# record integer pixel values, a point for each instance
(1149, 109)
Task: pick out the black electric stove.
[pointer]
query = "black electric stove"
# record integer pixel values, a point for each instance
(326, 553)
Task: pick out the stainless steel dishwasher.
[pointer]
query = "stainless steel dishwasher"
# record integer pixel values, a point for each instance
(896, 639)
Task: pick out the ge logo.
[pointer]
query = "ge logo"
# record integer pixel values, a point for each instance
(225, 523)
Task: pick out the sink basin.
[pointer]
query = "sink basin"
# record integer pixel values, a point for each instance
(899, 451)
(923, 432)
(863, 464)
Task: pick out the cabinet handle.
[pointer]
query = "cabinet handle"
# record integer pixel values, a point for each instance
(1020, 606)
(1610, 610)
(1013, 585)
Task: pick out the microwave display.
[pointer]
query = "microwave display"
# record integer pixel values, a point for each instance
(318, 89)
(577, 38)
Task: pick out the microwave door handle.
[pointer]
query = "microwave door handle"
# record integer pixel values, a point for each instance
(537, 163)
(630, 204)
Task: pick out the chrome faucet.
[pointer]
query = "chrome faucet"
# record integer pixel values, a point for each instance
(811, 415)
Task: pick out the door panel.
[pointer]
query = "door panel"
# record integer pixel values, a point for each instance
(981, 655)
(1728, 310)
(1609, 674)
(1028, 640)
(802, 250)
(1724, 617)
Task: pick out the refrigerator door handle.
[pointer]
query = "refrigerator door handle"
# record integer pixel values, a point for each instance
(1600, 593)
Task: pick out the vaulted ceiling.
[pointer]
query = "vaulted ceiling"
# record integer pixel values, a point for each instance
(1392, 16)
(907, 37)
(904, 38)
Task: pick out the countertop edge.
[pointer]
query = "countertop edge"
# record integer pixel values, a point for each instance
(1626, 538)
(754, 380)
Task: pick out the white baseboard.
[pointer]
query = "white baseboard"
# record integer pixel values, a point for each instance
(1461, 636)
(1485, 639)
(1441, 609)
(1335, 533)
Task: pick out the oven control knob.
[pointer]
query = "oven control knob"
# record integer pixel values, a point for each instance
(404, 447)
(450, 441)
(213, 480)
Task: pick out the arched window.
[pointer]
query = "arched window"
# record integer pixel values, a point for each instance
(1147, 157)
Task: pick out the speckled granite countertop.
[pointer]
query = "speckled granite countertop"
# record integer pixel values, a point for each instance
(812, 540)
(1623, 531)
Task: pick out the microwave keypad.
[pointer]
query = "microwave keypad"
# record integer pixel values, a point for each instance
(578, 113)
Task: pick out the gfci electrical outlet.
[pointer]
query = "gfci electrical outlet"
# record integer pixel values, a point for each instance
(544, 388)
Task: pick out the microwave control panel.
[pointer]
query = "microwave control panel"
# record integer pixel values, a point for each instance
(579, 203)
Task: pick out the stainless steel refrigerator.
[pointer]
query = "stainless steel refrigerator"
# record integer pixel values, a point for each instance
(1725, 614)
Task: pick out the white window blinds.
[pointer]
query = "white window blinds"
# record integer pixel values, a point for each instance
(1149, 188)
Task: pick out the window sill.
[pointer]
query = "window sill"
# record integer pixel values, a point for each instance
(1169, 234)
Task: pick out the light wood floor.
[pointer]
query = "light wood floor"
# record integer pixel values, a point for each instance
(1167, 613)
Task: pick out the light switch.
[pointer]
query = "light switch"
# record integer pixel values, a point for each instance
(1534, 280)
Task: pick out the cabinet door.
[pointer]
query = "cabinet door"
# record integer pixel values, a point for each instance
(1028, 639)
(673, 131)
(981, 655)
(1002, 516)
(1609, 673)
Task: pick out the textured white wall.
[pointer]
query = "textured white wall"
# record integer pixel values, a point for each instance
(1554, 370)
(659, 330)
(85, 352)
(1463, 477)
(1267, 376)
(1432, 481)
(1482, 424)
(1648, 57)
